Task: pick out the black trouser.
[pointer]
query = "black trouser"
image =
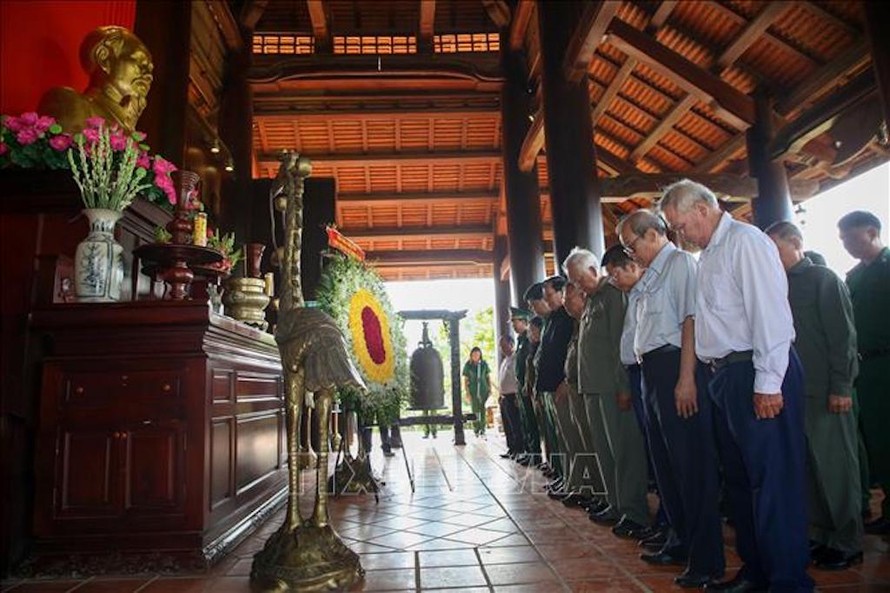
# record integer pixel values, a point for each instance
(512, 424)
(684, 453)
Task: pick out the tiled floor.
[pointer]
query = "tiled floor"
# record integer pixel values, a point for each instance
(474, 523)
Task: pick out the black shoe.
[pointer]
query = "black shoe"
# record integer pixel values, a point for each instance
(656, 541)
(526, 461)
(664, 558)
(737, 585)
(596, 505)
(691, 580)
(832, 559)
(607, 517)
(576, 500)
(880, 526)
(632, 530)
(507, 455)
(388, 454)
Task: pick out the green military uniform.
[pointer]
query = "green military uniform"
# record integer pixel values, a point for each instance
(869, 286)
(826, 343)
(601, 377)
(480, 387)
(526, 408)
(531, 377)
(583, 472)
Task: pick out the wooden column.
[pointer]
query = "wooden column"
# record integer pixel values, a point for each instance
(571, 158)
(236, 130)
(773, 201)
(523, 200)
(501, 296)
(165, 26)
(876, 19)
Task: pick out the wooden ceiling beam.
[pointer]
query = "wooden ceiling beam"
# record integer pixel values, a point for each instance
(613, 89)
(662, 13)
(393, 199)
(753, 31)
(427, 22)
(729, 149)
(824, 77)
(664, 126)
(393, 158)
(728, 103)
(587, 36)
(319, 19)
(227, 23)
(402, 233)
(533, 143)
(431, 256)
(251, 13)
(367, 114)
(848, 28)
(522, 14)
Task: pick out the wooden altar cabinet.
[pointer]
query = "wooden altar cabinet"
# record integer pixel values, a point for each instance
(161, 430)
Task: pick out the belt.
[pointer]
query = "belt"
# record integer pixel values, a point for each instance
(731, 358)
(876, 353)
(666, 349)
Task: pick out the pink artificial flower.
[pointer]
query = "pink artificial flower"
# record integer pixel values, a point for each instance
(163, 167)
(27, 136)
(94, 122)
(91, 134)
(143, 161)
(43, 123)
(62, 142)
(3, 148)
(13, 124)
(139, 136)
(171, 195)
(118, 141)
(29, 119)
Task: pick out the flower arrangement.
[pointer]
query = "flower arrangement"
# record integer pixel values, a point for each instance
(33, 141)
(353, 295)
(225, 244)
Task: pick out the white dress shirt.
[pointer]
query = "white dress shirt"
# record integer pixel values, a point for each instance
(628, 356)
(742, 302)
(507, 382)
(667, 298)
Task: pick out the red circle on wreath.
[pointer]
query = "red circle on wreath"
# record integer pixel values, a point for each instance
(373, 336)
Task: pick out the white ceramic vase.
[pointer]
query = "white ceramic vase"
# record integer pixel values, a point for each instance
(98, 262)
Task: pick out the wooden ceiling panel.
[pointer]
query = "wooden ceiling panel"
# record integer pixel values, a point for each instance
(784, 69)
(380, 135)
(602, 71)
(710, 25)
(681, 144)
(382, 178)
(655, 101)
(631, 117)
(659, 82)
(692, 50)
(619, 131)
(463, 16)
(608, 143)
(741, 79)
(393, 16)
(668, 160)
(610, 52)
(346, 135)
(822, 38)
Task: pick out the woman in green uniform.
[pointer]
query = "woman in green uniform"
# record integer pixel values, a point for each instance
(477, 384)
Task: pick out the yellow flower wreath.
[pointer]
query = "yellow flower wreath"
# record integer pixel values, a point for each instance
(371, 338)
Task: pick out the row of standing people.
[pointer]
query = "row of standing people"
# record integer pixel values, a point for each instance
(690, 372)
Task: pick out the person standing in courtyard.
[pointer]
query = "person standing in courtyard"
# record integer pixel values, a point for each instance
(477, 385)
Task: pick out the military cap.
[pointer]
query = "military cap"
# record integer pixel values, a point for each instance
(517, 313)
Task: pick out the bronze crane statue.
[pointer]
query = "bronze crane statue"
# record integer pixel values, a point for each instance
(305, 554)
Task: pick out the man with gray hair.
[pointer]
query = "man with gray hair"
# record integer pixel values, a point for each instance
(679, 428)
(744, 331)
(603, 383)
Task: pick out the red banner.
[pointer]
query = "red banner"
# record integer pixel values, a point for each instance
(344, 245)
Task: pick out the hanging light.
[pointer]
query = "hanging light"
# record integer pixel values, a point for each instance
(230, 166)
(214, 148)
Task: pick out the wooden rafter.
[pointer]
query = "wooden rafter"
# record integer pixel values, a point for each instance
(432, 256)
(613, 89)
(533, 143)
(825, 76)
(251, 13)
(651, 184)
(728, 103)
(381, 114)
(427, 21)
(522, 14)
(758, 26)
(227, 24)
(823, 14)
(664, 126)
(393, 158)
(587, 36)
(319, 22)
(394, 199)
(721, 155)
(662, 13)
(402, 233)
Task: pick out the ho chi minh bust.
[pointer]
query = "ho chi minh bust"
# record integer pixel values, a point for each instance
(120, 70)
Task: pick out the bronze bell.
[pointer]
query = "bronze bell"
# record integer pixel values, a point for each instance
(427, 376)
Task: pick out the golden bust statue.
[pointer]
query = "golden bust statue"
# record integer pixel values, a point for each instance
(119, 66)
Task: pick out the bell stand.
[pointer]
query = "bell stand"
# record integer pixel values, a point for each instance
(458, 418)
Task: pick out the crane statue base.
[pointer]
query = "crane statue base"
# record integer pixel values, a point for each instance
(308, 558)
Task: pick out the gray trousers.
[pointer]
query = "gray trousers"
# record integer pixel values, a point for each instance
(622, 455)
(834, 488)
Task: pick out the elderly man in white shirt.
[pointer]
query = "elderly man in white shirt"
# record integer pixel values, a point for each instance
(744, 331)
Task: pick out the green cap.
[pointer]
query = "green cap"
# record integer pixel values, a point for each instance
(517, 313)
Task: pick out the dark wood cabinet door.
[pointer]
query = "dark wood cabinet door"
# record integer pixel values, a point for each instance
(153, 468)
(87, 482)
